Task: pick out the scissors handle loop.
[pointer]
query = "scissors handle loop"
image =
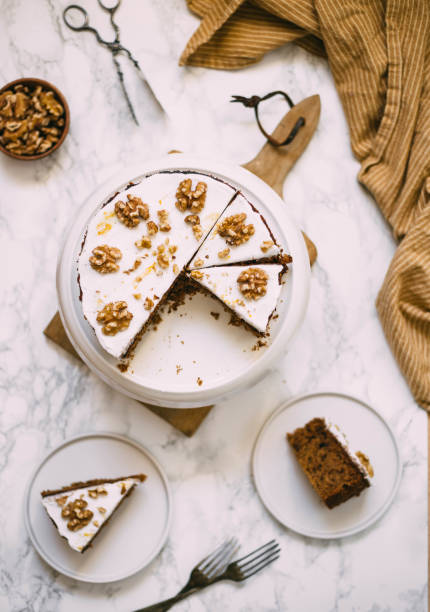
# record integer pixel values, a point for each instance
(109, 9)
(83, 25)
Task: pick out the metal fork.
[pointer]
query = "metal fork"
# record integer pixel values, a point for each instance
(237, 571)
(201, 575)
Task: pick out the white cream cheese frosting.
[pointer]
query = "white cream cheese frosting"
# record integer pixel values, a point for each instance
(102, 500)
(222, 282)
(364, 467)
(260, 245)
(149, 279)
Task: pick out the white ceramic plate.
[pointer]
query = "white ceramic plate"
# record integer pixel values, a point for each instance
(285, 490)
(137, 530)
(231, 364)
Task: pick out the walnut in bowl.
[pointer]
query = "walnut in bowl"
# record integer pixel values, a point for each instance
(34, 119)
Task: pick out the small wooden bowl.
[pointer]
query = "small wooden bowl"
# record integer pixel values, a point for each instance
(66, 117)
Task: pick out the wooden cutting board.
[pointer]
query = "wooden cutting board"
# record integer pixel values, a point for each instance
(272, 164)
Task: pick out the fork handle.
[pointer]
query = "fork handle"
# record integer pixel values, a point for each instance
(162, 606)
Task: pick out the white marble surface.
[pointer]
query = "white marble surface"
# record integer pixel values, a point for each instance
(47, 396)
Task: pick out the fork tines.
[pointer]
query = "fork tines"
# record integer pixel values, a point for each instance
(259, 558)
(218, 559)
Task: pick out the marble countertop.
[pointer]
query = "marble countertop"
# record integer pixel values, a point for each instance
(47, 396)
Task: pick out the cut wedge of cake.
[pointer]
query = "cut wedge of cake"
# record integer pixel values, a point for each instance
(332, 469)
(81, 510)
(250, 292)
(137, 244)
(240, 235)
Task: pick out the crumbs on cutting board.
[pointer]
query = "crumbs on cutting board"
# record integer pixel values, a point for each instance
(215, 315)
(179, 369)
(199, 381)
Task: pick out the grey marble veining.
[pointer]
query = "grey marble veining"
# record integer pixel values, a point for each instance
(47, 396)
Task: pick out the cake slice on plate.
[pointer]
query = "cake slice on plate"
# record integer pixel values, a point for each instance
(332, 469)
(241, 235)
(249, 292)
(81, 510)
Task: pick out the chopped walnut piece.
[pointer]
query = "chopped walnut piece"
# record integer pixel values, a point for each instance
(104, 259)
(285, 259)
(123, 488)
(197, 231)
(187, 199)
(148, 304)
(266, 245)
(162, 256)
(175, 269)
(163, 216)
(101, 510)
(132, 211)
(96, 523)
(199, 263)
(234, 230)
(144, 243)
(192, 219)
(137, 263)
(152, 228)
(61, 500)
(197, 274)
(137, 296)
(224, 253)
(253, 283)
(114, 317)
(199, 381)
(77, 513)
(94, 493)
(172, 249)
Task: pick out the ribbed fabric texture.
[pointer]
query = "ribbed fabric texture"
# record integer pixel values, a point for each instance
(379, 53)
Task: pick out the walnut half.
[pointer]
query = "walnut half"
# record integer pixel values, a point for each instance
(234, 230)
(104, 259)
(187, 199)
(253, 283)
(114, 317)
(132, 211)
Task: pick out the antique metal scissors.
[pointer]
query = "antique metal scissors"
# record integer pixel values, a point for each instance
(115, 47)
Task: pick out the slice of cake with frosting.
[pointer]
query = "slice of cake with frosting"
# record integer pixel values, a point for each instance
(250, 292)
(333, 470)
(241, 235)
(81, 510)
(137, 244)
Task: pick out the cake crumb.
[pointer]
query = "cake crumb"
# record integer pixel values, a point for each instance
(123, 366)
(258, 345)
(199, 381)
(215, 315)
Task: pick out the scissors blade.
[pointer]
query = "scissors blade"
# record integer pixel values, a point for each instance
(142, 75)
(121, 80)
